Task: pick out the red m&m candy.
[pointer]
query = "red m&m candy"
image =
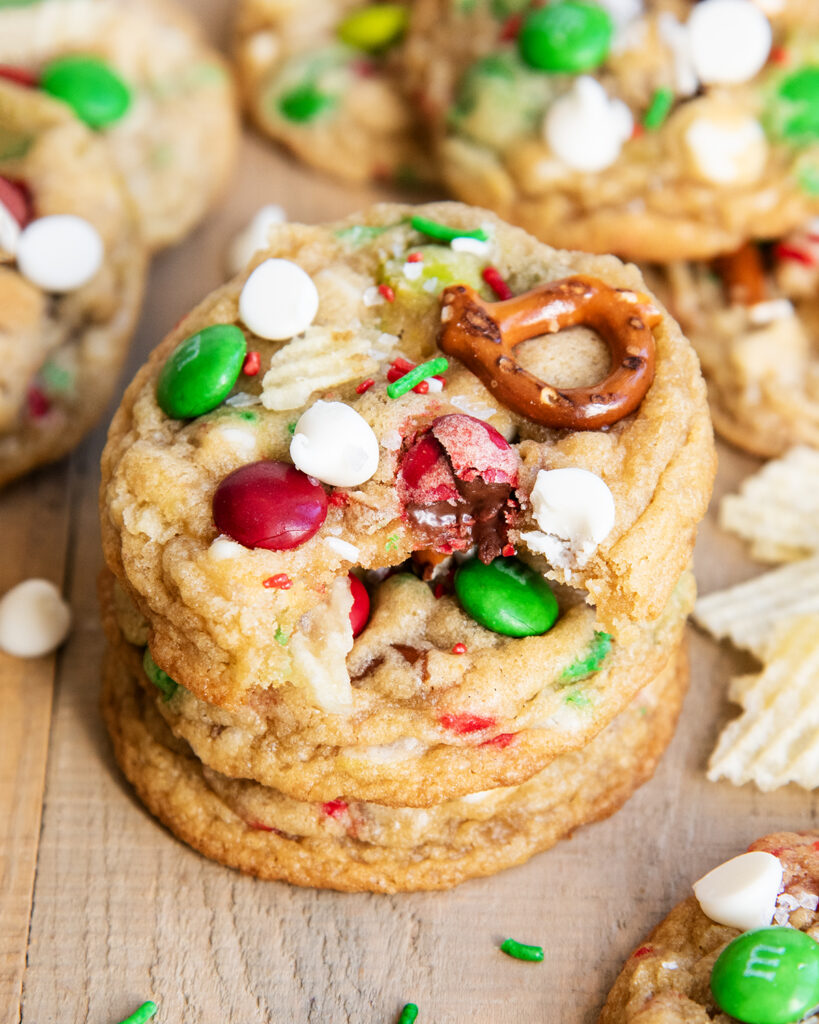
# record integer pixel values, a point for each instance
(269, 505)
(360, 611)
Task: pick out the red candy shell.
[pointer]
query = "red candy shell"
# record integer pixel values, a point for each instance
(16, 200)
(269, 505)
(360, 611)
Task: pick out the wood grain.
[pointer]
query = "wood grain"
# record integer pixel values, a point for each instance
(123, 912)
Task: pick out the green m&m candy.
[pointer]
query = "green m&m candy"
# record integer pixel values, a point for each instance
(768, 976)
(506, 596)
(200, 372)
(98, 96)
(375, 27)
(305, 102)
(798, 106)
(569, 36)
(161, 680)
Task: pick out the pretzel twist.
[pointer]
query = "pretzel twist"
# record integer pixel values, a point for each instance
(484, 335)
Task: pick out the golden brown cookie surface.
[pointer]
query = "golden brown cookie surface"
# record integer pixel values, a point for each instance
(356, 846)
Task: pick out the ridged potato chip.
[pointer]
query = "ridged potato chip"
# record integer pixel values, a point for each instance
(776, 738)
(749, 613)
(777, 509)
(319, 359)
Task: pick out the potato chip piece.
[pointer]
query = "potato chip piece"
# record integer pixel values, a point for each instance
(319, 359)
(777, 509)
(776, 738)
(748, 613)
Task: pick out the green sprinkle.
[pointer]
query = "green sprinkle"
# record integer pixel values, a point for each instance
(57, 379)
(282, 639)
(145, 1012)
(578, 699)
(643, 712)
(442, 233)
(304, 103)
(423, 370)
(392, 542)
(161, 680)
(808, 178)
(248, 415)
(291, 427)
(520, 951)
(658, 110)
(591, 662)
(408, 1014)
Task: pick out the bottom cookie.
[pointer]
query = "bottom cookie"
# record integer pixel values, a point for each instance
(359, 846)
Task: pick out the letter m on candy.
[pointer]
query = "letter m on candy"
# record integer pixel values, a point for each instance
(756, 961)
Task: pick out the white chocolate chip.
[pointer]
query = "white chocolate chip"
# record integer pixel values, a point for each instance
(279, 300)
(575, 512)
(34, 619)
(474, 245)
(585, 128)
(730, 41)
(336, 445)
(727, 148)
(762, 313)
(223, 547)
(9, 231)
(59, 253)
(254, 237)
(741, 893)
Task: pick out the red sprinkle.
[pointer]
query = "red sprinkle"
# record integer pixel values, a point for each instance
(252, 364)
(281, 581)
(258, 825)
(422, 387)
(637, 130)
(783, 251)
(463, 723)
(507, 550)
(386, 292)
(38, 404)
(459, 648)
(816, 846)
(439, 591)
(511, 28)
(22, 76)
(642, 951)
(779, 55)
(340, 499)
(365, 385)
(334, 808)
(415, 257)
(492, 277)
(501, 740)
(400, 367)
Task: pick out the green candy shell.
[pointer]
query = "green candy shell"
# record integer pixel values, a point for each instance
(305, 103)
(200, 372)
(375, 27)
(97, 95)
(768, 976)
(570, 36)
(507, 597)
(161, 680)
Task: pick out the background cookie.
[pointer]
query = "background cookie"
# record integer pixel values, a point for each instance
(143, 77)
(753, 317)
(660, 131)
(72, 268)
(323, 77)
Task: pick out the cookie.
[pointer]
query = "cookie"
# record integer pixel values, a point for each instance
(237, 615)
(72, 268)
(753, 316)
(659, 130)
(668, 979)
(425, 724)
(142, 76)
(322, 77)
(355, 846)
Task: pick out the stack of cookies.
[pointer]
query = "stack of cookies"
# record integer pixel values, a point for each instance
(398, 526)
(108, 112)
(660, 130)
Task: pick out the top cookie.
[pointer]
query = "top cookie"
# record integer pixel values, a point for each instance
(658, 130)
(333, 314)
(142, 76)
(323, 77)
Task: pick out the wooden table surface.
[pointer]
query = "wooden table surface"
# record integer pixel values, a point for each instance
(101, 908)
